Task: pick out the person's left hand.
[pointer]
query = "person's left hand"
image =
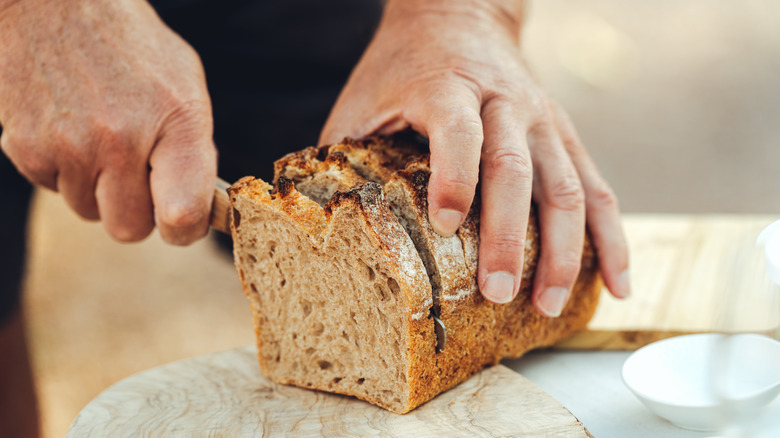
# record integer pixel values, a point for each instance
(452, 71)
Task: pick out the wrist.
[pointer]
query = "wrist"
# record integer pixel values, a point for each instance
(506, 15)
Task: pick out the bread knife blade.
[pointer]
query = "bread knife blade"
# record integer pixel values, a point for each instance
(220, 219)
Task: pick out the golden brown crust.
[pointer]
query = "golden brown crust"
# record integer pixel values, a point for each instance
(479, 333)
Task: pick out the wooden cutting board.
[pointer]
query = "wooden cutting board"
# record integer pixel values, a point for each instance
(690, 274)
(225, 395)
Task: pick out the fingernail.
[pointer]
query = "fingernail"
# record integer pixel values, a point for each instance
(552, 300)
(499, 287)
(623, 285)
(446, 221)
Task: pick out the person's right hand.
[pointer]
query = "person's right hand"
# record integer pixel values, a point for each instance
(103, 103)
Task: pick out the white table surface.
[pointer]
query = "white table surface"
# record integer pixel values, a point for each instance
(589, 384)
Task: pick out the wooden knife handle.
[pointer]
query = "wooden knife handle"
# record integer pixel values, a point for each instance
(220, 217)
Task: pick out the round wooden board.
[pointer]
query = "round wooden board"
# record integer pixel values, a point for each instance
(225, 395)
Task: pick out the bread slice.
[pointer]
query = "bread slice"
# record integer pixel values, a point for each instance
(346, 279)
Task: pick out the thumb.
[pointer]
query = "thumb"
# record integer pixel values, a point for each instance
(183, 173)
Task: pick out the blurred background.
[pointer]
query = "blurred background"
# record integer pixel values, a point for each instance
(678, 102)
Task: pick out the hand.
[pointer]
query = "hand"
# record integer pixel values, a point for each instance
(452, 71)
(100, 101)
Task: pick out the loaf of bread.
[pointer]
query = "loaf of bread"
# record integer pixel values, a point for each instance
(353, 292)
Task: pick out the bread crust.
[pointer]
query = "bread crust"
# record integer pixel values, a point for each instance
(438, 278)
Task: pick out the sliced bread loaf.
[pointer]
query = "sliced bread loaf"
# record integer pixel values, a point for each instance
(347, 280)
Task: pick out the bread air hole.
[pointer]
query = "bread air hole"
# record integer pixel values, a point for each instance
(361, 380)
(236, 218)
(381, 292)
(318, 329)
(306, 308)
(393, 285)
(324, 364)
(336, 380)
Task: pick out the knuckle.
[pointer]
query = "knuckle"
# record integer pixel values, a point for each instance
(509, 162)
(537, 102)
(569, 139)
(26, 152)
(462, 122)
(111, 133)
(188, 111)
(113, 141)
(69, 137)
(507, 245)
(456, 181)
(566, 193)
(565, 267)
(603, 197)
(542, 128)
(72, 144)
(34, 163)
(182, 216)
(14, 142)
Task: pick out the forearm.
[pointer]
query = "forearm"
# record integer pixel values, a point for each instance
(507, 14)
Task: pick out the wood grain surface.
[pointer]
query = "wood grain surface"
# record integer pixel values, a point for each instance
(690, 274)
(225, 395)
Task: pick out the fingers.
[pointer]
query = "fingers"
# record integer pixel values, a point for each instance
(561, 210)
(106, 175)
(451, 119)
(77, 186)
(506, 197)
(31, 152)
(184, 171)
(602, 212)
(28, 155)
(125, 202)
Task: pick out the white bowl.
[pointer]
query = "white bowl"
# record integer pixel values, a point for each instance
(707, 381)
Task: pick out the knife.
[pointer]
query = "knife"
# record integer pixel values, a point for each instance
(220, 219)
